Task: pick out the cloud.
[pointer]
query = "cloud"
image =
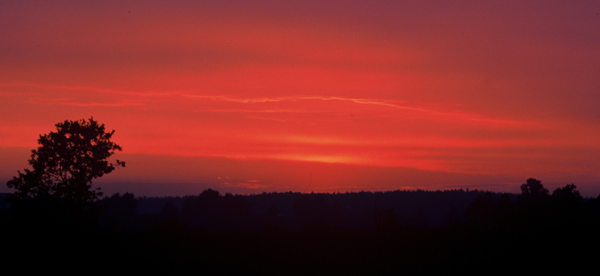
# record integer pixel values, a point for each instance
(248, 184)
(71, 102)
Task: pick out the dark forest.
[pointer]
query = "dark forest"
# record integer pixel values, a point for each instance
(290, 233)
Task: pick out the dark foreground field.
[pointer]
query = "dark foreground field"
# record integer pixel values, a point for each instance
(315, 250)
(308, 234)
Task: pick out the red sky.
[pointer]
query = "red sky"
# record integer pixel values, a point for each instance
(321, 96)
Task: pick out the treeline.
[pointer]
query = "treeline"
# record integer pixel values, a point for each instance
(363, 233)
(213, 211)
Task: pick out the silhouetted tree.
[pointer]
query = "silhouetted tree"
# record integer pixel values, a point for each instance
(66, 162)
(533, 199)
(539, 211)
(568, 209)
(533, 188)
(56, 193)
(567, 195)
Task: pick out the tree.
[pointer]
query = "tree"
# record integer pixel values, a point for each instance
(567, 195)
(66, 162)
(533, 188)
(534, 197)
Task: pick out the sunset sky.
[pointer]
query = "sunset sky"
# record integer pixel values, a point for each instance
(323, 96)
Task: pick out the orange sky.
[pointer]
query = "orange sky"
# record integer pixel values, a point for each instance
(311, 95)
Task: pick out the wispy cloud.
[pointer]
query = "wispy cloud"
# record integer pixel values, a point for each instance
(252, 184)
(71, 102)
(392, 104)
(135, 98)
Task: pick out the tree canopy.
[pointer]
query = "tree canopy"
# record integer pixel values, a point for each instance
(66, 161)
(533, 188)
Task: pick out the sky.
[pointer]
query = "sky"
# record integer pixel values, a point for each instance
(311, 96)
